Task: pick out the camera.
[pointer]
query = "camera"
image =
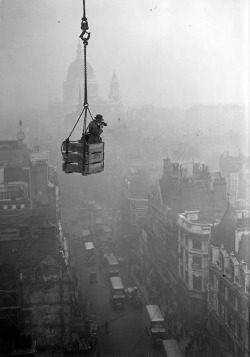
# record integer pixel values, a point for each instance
(103, 123)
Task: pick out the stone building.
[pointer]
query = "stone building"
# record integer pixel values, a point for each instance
(30, 239)
(67, 110)
(229, 284)
(236, 170)
(193, 243)
(202, 198)
(136, 186)
(44, 294)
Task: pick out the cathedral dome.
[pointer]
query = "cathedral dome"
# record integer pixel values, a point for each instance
(76, 69)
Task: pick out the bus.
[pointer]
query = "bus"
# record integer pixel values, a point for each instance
(117, 297)
(109, 238)
(85, 236)
(90, 253)
(155, 324)
(170, 348)
(98, 226)
(111, 265)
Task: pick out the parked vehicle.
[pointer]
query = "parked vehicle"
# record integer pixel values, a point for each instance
(170, 348)
(117, 297)
(133, 296)
(111, 265)
(86, 236)
(155, 324)
(98, 226)
(89, 253)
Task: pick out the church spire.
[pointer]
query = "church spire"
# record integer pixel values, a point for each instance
(79, 51)
(114, 95)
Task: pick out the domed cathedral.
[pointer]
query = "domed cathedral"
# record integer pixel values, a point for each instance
(73, 95)
(75, 81)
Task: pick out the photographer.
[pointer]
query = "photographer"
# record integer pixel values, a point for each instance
(95, 129)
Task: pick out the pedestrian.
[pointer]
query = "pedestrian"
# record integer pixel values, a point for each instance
(107, 327)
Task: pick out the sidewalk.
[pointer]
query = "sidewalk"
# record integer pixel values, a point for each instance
(184, 341)
(141, 288)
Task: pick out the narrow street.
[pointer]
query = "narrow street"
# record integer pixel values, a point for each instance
(126, 335)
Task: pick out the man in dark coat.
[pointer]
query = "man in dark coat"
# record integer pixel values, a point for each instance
(95, 129)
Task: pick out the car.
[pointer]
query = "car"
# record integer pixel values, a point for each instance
(133, 296)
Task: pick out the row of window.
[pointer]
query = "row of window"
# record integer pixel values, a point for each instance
(196, 242)
(18, 206)
(196, 277)
(231, 321)
(237, 276)
(231, 296)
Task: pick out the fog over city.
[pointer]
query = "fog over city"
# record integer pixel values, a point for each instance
(124, 178)
(165, 53)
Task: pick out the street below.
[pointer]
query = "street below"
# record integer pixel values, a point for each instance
(122, 332)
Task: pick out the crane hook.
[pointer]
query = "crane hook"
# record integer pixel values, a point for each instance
(85, 35)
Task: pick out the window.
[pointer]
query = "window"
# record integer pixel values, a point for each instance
(197, 282)
(196, 244)
(231, 296)
(222, 287)
(231, 321)
(232, 270)
(236, 303)
(222, 311)
(181, 270)
(196, 262)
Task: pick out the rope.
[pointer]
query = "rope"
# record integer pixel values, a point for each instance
(85, 90)
(76, 123)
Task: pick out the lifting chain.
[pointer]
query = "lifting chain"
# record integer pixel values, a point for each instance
(85, 36)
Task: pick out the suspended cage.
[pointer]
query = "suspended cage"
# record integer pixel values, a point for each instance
(81, 157)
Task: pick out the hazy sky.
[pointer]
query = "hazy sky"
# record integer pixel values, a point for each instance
(164, 52)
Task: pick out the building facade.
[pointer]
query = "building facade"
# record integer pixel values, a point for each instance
(193, 242)
(229, 284)
(177, 243)
(35, 281)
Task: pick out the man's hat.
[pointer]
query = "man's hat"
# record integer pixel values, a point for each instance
(99, 117)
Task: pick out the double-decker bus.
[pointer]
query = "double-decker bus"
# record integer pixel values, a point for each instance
(89, 253)
(117, 297)
(111, 265)
(155, 324)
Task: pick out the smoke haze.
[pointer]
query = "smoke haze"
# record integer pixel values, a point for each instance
(166, 53)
